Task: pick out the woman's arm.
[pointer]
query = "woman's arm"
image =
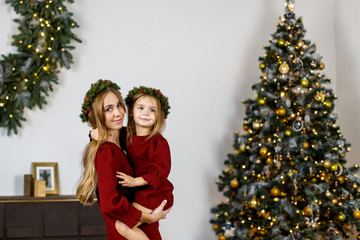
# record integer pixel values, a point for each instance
(156, 215)
(111, 204)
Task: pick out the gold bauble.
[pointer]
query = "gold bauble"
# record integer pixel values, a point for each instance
(281, 42)
(281, 112)
(341, 179)
(307, 211)
(275, 191)
(334, 167)
(254, 202)
(245, 127)
(288, 132)
(356, 214)
(328, 194)
(321, 66)
(222, 237)
(215, 227)
(327, 104)
(334, 201)
(320, 97)
(256, 125)
(262, 66)
(327, 164)
(347, 226)
(341, 217)
(304, 82)
(299, 44)
(263, 151)
(261, 101)
(306, 145)
(284, 68)
(242, 148)
(234, 183)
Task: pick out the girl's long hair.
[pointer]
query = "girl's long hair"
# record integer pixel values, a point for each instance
(160, 117)
(86, 189)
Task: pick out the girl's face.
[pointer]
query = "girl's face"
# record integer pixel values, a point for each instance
(113, 112)
(144, 114)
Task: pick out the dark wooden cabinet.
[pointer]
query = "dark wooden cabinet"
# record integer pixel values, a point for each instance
(52, 217)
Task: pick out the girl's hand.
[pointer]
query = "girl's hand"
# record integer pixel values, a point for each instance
(126, 180)
(159, 213)
(129, 181)
(94, 134)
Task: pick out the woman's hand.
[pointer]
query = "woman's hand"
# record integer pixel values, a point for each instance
(156, 215)
(159, 212)
(129, 181)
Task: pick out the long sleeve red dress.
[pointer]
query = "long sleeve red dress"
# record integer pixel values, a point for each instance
(114, 200)
(151, 160)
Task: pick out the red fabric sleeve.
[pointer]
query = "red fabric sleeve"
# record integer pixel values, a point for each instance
(159, 162)
(111, 203)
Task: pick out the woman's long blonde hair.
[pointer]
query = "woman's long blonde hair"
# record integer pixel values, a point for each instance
(160, 117)
(86, 190)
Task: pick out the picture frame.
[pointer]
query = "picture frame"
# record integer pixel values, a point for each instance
(47, 171)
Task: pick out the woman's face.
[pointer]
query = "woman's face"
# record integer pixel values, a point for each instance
(113, 112)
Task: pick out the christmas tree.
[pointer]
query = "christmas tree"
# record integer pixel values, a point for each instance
(286, 177)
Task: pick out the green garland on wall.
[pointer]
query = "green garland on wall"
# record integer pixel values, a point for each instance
(43, 47)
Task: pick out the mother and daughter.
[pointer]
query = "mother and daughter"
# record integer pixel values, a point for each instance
(132, 190)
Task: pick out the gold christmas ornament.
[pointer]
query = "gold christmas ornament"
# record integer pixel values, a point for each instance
(281, 42)
(300, 44)
(216, 227)
(256, 125)
(263, 151)
(327, 104)
(327, 164)
(222, 237)
(304, 82)
(334, 167)
(306, 145)
(275, 191)
(356, 214)
(320, 97)
(234, 183)
(281, 112)
(321, 66)
(262, 66)
(341, 217)
(261, 101)
(254, 202)
(284, 68)
(288, 132)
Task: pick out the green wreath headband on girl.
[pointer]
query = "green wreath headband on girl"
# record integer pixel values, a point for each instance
(95, 88)
(152, 92)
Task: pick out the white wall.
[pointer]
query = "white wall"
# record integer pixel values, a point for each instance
(203, 54)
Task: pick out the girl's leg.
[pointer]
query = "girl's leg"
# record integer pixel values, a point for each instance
(130, 233)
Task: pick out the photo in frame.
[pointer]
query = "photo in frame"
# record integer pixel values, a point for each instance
(47, 171)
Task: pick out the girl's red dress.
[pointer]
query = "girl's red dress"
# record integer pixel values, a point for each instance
(151, 160)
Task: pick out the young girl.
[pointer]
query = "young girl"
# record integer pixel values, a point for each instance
(104, 109)
(148, 150)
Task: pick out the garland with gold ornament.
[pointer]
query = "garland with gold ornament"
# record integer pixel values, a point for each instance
(43, 45)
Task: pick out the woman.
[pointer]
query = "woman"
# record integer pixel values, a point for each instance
(104, 109)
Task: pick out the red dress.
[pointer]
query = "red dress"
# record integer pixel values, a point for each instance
(113, 198)
(151, 160)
